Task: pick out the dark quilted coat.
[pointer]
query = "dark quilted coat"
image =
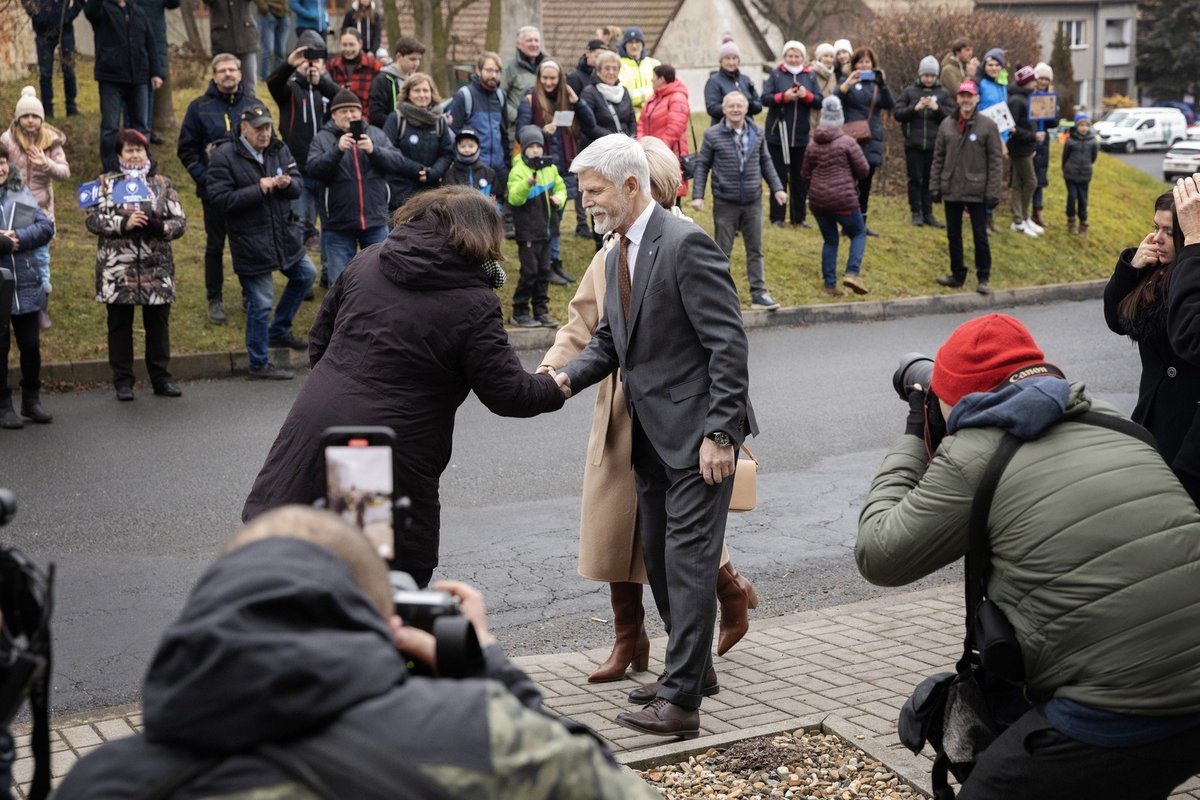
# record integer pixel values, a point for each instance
(833, 165)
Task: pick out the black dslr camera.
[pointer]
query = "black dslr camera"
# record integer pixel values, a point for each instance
(540, 163)
(911, 382)
(458, 651)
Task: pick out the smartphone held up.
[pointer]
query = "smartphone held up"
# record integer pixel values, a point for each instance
(359, 482)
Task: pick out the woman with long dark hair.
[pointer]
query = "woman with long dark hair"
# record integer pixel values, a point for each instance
(405, 334)
(1135, 305)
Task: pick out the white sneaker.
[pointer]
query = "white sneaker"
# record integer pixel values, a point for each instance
(1019, 227)
(1033, 226)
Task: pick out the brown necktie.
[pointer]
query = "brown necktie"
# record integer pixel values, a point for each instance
(624, 284)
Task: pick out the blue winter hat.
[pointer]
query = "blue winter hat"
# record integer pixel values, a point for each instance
(996, 54)
(634, 33)
(1082, 116)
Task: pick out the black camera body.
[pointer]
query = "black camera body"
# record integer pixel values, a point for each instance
(915, 374)
(458, 652)
(358, 128)
(314, 53)
(540, 162)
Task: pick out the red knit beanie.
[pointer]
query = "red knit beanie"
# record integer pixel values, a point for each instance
(980, 354)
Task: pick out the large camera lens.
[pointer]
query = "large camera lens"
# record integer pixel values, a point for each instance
(916, 369)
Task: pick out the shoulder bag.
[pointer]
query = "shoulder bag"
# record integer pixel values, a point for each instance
(745, 482)
(687, 163)
(860, 129)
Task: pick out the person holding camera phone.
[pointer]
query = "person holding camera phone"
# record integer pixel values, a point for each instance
(289, 661)
(351, 161)
(1094, 550)
(920, 110)
(865, 96)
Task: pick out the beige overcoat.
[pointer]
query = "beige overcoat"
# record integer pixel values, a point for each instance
(610, 548)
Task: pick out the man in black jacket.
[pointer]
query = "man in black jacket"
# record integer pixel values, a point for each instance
(126, 68)
(211, 118)
(290, 639)
(254, 180)
(54, 28)
(302, 88)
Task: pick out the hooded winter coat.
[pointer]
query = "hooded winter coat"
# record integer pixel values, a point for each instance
(833, 166)
(920, 127)
(667, 115)
(355, 194)
(582, 76)
(264, 234)
(277, 644)
(39, 180)
(1095, 545)
(637, 75)
(30, 295)
(795, 115)
(211, 118)
(1022, 139)
(407, 331)
(827, 80)
(1078, 156)
(136, 267)
(619, 118)
(486, 117)
(385, 94)
(302, 108)
(516, 78)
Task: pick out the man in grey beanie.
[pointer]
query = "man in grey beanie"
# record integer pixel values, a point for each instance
(920, 109)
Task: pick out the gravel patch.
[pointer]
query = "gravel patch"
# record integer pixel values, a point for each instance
(803, 765)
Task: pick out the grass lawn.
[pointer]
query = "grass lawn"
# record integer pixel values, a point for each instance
(901, 263)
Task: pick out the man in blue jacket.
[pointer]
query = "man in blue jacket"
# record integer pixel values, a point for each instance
(54, 27)
(210, 119)
(480, 107)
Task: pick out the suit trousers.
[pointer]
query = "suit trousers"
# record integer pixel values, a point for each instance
(156, 322)
(681, 520)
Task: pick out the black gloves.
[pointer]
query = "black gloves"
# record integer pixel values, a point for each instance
(935, 197)
(154, 226)
(992, 202)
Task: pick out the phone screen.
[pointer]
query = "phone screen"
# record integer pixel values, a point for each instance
(357, 128)
(867, 75)
(359, 488)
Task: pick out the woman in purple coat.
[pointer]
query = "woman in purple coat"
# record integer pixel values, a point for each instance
(409, 329)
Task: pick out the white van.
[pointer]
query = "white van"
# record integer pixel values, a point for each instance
(1133, 129)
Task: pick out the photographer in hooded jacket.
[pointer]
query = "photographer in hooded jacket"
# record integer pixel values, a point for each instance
(1094, 552)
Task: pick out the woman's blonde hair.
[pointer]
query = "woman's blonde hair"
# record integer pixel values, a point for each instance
(415, 80)
(665, 179)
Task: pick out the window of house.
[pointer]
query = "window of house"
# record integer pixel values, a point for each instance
(1116, 33)
(1074, 31)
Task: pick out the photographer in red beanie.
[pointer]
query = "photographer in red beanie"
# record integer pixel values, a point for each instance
(1095, 553)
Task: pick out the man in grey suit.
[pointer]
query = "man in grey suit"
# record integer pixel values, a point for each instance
(672, 322)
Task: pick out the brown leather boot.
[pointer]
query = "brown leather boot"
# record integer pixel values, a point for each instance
(632, 645)
(735, 594)
(1037, 217)
(1083, 229)
(1070, 225)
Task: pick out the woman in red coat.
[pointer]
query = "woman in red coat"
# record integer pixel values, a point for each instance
(667, 115)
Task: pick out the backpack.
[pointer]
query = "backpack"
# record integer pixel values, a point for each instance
(27, 602)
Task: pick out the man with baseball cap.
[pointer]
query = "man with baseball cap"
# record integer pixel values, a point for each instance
(968, 165)
(1095, 549)
(253, 179)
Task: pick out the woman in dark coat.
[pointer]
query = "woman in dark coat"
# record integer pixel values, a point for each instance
(867, 99)
(410, 328)
(609, 101)
(419, 131)
(1135, 305)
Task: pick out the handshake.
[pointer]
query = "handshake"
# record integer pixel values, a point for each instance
(561, 378)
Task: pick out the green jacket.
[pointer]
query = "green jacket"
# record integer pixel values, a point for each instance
(1095, 554)
(532, 210)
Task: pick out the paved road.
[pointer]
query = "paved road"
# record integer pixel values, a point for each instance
(1148, 161)
(132, 499)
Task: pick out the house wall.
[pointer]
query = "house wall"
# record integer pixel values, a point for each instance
(17, 53)
(690, 44)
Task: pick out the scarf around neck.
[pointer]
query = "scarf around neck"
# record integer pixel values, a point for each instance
(421, 117)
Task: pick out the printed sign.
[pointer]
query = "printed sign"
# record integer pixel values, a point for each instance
(564, 118)
(1043, 106)
(1000, 115)
(88, 194)
(131, 191)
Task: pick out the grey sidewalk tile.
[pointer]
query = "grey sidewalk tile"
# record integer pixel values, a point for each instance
(877, 725)
(111, 729)
(858, 694)
(79, 736)
(61, 763)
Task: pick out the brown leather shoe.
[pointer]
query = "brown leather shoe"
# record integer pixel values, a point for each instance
(855, 284)
(735, 594)
(633, 645)
(648, 691)
(663, 718)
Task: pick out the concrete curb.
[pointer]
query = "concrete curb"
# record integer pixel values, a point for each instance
(201, 366)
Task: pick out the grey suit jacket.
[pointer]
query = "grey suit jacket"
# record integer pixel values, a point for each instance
(683, 354)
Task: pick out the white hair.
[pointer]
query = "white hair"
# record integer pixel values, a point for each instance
(616, 157)
(528, 29)
(735, 94)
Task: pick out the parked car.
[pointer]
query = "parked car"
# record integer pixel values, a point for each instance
(1181, 161)
(1133, 129)
(1188, 112)
(1193, 132)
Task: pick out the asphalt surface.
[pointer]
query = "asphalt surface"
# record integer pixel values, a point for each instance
(132, 500)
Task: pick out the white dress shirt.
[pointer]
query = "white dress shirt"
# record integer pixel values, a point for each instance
(635, 233)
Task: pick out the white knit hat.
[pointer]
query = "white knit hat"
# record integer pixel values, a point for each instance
(842, 44)
(1043, 70)
(792, 44)
(29, 104)
(822, 49)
